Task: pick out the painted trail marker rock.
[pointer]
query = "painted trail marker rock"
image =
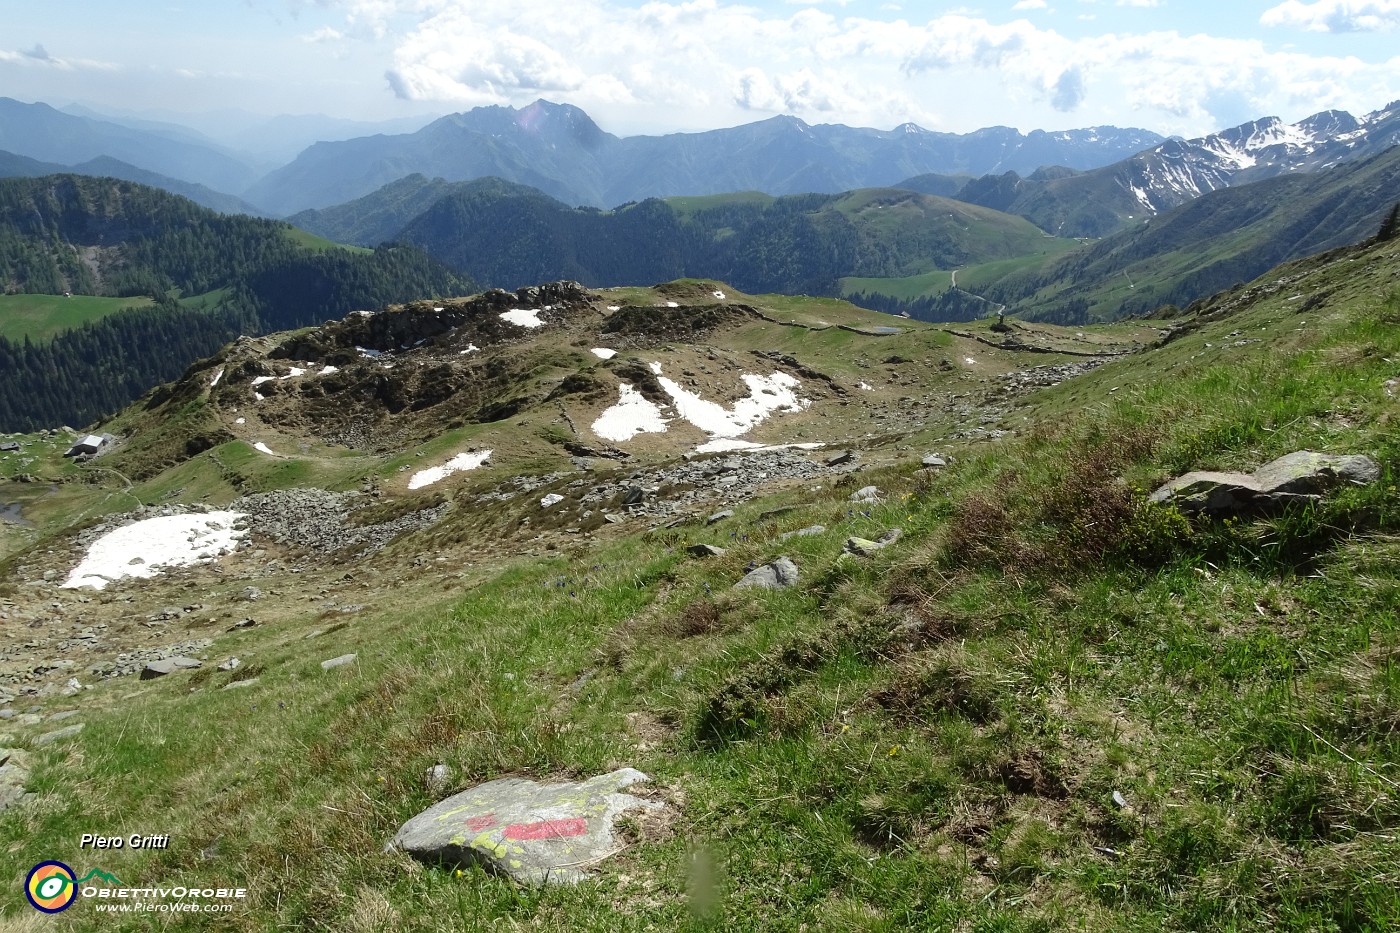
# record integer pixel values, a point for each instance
(536, 833)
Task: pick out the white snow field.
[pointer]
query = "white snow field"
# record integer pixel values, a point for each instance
(145, 548)
(463, 461)
(767, 394)
(603, 353)
(633, 414)
(217, 376)
(262, 447)
(522, 317)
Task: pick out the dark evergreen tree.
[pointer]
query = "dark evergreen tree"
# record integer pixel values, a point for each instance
(1390, 225)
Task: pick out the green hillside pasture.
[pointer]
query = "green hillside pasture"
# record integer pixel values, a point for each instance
(43, 317)
(319, 244)
(906, 287)
(972, 278)
(687, 206)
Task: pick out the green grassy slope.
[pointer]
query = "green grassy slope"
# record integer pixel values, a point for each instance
(1049, 706)
(40, 317)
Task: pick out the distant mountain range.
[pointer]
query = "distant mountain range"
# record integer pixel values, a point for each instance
(506, 235)
(1080, 183)
(18, 166)
(1094, 203)
(1211, 243)
(41, 132)
(558, 149)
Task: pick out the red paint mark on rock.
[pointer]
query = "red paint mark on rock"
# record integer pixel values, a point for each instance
(477, 823)
(548, 829)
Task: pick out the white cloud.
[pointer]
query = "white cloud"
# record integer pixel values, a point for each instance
(1335, 15)
(452, 56)
(706, 63)
(324, 34)
(38, 56)
(1030, 5)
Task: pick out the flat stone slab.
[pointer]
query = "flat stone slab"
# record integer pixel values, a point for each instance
(168, 666)
(775, 576)
(720, 516)
(802, 532)
(535, 833)
(48, 738)
(14, 772)
(704, 550)
(337, 662)
(1301, 475)
(866, 494)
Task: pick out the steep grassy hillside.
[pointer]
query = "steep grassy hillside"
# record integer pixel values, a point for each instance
(1049, 705)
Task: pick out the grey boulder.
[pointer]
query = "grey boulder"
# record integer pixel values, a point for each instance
(535, 833)
(14, 772)
(1299, 476)
(779, 574)
(48, 738)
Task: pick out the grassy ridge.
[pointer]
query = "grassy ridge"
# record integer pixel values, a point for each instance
(1050, 706)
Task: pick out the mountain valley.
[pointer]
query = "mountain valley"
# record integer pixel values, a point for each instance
(1013, 547)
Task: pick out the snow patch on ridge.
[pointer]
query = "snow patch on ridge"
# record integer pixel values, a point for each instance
(522, 317)
(469, 460)
(767, 394)
(633, 414)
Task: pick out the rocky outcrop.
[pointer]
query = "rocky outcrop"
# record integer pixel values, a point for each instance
(319, 520)
(1297, 477)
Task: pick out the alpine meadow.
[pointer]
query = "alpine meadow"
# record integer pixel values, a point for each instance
(421, 520)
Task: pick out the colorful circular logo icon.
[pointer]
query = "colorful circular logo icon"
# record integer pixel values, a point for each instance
(51, 887)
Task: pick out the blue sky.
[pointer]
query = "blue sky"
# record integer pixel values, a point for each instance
(1174, 66)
